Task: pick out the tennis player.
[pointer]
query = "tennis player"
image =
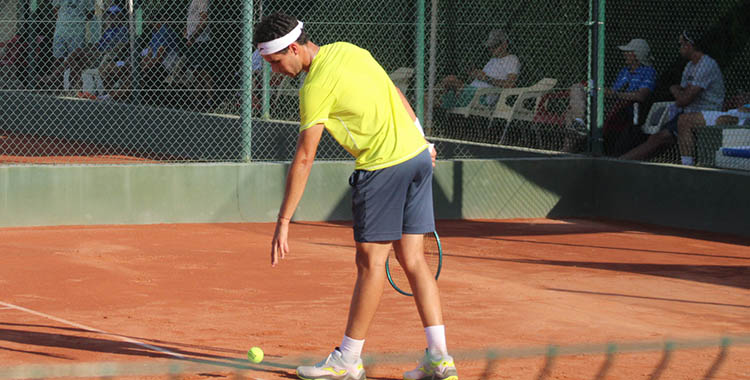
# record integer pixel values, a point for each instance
(349, 94)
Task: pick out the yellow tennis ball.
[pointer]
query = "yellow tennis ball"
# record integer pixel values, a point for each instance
(255, 355)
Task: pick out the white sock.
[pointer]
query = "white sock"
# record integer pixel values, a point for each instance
(436, 341)
(687, 160)
(351, 349)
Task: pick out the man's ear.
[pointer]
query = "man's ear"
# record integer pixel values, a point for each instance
(294, 48)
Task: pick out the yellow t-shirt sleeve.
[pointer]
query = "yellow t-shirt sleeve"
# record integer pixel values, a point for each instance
(314, 106)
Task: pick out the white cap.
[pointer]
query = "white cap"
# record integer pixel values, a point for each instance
(641, 50)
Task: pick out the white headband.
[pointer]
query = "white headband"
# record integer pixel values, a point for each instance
(280, 43)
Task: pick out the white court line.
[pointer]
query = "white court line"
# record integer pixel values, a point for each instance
(91, 329)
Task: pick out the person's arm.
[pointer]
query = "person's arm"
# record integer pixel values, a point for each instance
(296, 180)
(641, 95)
(685, 96)
(410, 111)
(509, 82)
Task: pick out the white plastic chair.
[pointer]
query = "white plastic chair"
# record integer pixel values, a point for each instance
(657, 116)
(402, 78)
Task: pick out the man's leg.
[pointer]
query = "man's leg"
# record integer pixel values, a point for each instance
(436, 364)
(410, 252)
(653, 143)
(686, 124)
(370, 259)
(727, 120)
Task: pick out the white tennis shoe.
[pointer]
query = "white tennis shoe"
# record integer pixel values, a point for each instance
(333, 368)
(434, 369)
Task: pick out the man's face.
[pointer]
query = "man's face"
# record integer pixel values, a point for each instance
(630, 58)
(686, 48)
(287, 63)
(498, 50)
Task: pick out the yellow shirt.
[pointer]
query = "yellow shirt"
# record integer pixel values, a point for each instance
(351, 94)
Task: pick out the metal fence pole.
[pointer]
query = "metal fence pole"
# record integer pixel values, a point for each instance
(247, 80)
(596, 75)
(266, 114)
(419, 82)
(431, 66)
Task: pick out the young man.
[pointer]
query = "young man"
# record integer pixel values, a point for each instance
(349, 94)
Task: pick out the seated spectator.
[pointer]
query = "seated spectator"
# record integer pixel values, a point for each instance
(160, 57)
(687, 122)
(501, 70)
(70, 32)
(701, 89)
(112, 46)
(198, 52)
(634, 85)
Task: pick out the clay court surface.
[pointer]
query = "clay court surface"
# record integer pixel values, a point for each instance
(208, 293)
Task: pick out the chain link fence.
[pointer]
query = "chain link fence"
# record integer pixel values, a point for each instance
(173, 80)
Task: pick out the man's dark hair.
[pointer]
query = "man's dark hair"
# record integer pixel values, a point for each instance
(693, 37)
(275, 26)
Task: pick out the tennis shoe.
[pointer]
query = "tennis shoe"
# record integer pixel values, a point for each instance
(333, 368)
(441, 368)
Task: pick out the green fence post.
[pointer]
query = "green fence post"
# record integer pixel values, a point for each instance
(431, 68)
(266, 114)
(247, 80)
(596, 75)
(419, 80)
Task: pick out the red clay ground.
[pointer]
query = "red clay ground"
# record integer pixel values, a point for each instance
(30, 149)
(206, 291)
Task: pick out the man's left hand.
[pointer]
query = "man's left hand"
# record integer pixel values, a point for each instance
(433, 154)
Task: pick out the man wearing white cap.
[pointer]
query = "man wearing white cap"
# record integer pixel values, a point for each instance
(635, 83)
(347, 93)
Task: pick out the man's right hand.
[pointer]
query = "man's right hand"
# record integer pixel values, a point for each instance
(280, 243)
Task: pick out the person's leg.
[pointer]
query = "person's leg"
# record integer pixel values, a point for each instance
(653, 143)
(410, 254)
(727, 120)
(370, 259)
(686, 124)
(419, 219)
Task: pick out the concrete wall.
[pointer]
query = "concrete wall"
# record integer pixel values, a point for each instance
(672, 195)
(694, 198)
(134, 194)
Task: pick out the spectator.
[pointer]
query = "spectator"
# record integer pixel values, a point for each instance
(687, 122)
(197, 50)
(111, 48)
(70, 31)
(701, 89)
(635, 84)
(501, 70)
(160, 57)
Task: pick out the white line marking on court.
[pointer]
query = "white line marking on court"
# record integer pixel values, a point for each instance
(91, 329)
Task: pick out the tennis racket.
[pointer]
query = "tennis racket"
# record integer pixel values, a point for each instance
(433, 254)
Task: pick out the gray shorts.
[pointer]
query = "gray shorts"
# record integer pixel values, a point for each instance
(389, 202)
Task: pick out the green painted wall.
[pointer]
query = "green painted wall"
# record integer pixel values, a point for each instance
(672, 195)
(702, 199)
(134, 194)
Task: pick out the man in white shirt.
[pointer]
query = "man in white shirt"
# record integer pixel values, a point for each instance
(198, 52)
(501, 70)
